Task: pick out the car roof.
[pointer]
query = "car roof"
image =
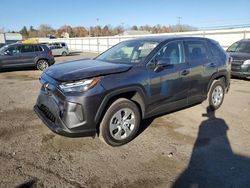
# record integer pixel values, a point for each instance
(12, 44)
(244, 40)
(167, 38)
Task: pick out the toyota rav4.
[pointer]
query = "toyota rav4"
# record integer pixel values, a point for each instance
(136, 79)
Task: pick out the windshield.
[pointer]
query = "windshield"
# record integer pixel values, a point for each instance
(243, 47)
(128, 52)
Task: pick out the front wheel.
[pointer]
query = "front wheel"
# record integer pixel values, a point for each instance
(120, 122)
(42, 64)
(216, 94)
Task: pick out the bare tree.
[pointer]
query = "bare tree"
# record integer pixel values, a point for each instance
(45, 30)
(79, 31)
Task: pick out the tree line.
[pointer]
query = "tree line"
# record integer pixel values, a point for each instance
(46, 30)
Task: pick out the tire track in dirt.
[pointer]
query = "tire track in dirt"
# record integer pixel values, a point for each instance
(41, 169)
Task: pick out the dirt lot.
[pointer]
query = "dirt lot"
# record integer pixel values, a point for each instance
(189, 148)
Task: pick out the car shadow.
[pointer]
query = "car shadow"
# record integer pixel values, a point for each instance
(145, 123)
(213, 163)
(18, 69)
(75, 53)
(239, 78)
(28, 184)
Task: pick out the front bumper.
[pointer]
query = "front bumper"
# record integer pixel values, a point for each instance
(71, 115)
(60, 128)
(242, 70)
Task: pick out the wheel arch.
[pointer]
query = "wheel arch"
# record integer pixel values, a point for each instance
(134, 94)
(42, 58)
(217, 76)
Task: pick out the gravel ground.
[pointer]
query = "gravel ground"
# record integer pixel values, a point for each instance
(188, 148)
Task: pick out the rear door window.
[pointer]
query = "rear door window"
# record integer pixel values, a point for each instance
(26, 48)
(173, 52)
(197, 52)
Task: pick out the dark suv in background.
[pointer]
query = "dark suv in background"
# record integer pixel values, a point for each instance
(133, 80)
(240, 52)
(20, 55)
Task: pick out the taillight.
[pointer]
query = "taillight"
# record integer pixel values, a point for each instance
(50, 53)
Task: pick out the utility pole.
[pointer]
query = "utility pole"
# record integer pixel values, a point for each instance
(123, 29)
(179, 23)
(97, 22)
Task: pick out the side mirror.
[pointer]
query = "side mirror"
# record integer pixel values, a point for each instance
(161, 64)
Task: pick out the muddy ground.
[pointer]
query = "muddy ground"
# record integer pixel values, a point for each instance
(188, 148)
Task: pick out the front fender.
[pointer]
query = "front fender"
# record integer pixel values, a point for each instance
(139, 97)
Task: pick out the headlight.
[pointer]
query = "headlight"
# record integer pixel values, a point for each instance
(247, 62)
(79, 86)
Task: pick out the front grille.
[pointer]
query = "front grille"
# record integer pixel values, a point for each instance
(237, 62)
(236, 65)
(47, 113)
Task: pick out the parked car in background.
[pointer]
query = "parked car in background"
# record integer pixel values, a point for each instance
(133, 80)
(240, 52)
(26, 55)
(58, 50)
(62, 44)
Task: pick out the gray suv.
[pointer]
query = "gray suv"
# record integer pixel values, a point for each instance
(134, 80)
(26, 55)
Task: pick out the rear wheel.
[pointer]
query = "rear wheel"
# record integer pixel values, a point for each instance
(42, 64)
(120, 122)
(64, 53)
(216, 94)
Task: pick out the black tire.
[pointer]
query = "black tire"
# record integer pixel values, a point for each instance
(218, 87)
(117, 107)
(64, 54)
(42, 64)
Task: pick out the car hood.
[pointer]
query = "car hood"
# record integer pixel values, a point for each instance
(239, 55)
(81, 69)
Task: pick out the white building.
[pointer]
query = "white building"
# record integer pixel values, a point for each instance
(7, 38)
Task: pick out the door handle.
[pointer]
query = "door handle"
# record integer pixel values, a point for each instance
(185, 72)
(212, 64)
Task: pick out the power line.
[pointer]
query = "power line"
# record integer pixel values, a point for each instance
(226, 26)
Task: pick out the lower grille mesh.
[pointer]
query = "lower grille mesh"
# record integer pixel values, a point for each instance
(47, 113)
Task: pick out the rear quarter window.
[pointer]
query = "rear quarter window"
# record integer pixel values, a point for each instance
(217, 51)
(38, 48)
